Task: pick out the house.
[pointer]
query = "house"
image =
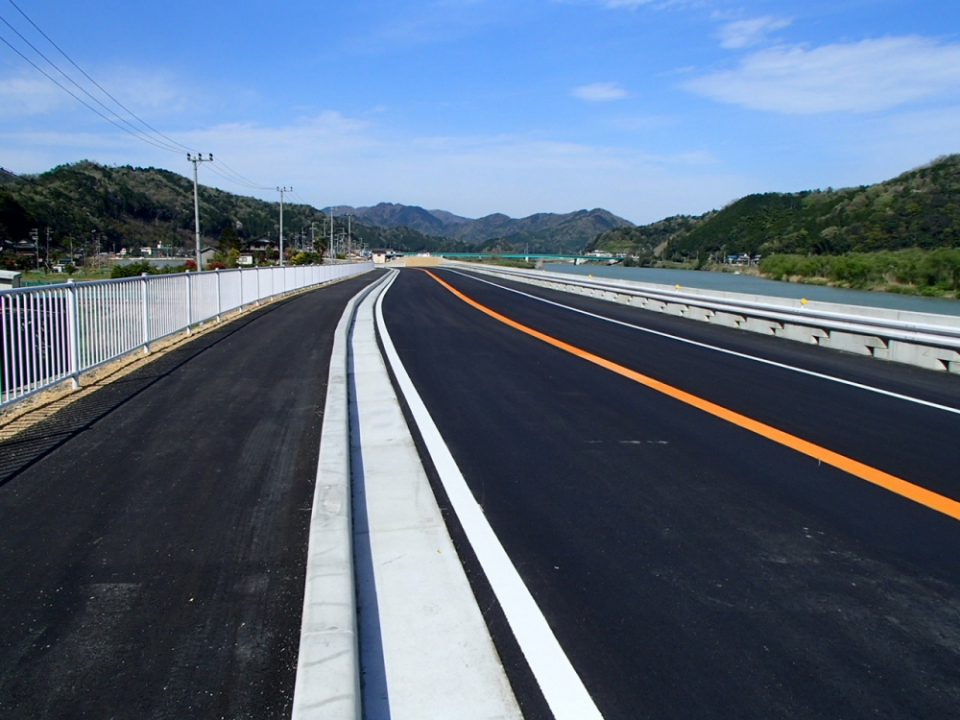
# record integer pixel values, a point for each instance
(9, 279)
(380, 255)
(206, 255)
(262, 249)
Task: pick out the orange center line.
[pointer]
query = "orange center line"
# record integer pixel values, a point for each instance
(901, 487)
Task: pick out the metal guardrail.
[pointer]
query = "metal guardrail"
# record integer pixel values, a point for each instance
(923, 339)
(56, 332)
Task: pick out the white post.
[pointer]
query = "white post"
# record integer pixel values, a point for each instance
(73, 335)
(145, 299)
(189, 303)
(219, 301)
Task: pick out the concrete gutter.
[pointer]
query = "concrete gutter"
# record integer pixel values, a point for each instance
(386, 595)
(328, 666)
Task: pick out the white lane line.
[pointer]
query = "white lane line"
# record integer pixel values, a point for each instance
(562, 688)
(725, 351)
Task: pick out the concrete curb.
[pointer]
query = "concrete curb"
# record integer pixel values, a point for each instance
(328, 666)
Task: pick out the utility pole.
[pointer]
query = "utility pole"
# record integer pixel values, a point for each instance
(331, 233)
(349, 234)
(196, 160)
(35, 236)
(282, 190)
(48, 249)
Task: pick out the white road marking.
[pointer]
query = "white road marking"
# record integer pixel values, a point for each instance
(706, 346)
(562, 688)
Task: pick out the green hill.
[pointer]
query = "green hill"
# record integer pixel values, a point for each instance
(130, 207)
(918, 209)
(542, 232)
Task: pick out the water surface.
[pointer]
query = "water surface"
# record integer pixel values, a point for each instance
(728, 282)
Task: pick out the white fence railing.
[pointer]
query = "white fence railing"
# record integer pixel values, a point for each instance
(55, 332)
(923, 339)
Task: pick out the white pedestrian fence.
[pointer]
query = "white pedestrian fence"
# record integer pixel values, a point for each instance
(53, 333)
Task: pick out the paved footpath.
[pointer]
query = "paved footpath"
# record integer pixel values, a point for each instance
(153, 535)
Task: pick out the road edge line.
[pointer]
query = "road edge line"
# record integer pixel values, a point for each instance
(328, 664)
(559, 682)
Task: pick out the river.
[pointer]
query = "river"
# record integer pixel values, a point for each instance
(752, 285)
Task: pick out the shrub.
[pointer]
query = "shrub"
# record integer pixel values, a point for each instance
(132, 269)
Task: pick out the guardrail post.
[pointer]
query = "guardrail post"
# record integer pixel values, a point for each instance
(73, 335)
(189, 303)
(219, 299)
(145, 299)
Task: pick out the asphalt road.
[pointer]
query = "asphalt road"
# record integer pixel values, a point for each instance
(691, 568)
(153, 535)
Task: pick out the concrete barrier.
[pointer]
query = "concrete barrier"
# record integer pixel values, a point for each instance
(923, 339)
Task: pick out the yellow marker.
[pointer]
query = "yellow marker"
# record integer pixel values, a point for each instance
(803, 301)
(894, 484)
(590, 276)
(677, 287)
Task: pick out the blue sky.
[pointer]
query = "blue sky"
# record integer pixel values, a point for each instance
(646, 108)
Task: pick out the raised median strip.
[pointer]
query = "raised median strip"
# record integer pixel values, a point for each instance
(328, 670)
(387, 599)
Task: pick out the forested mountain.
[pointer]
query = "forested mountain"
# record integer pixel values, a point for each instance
(138, 206)
(645, 241)
(543, 232)
(131, 207)
(920, 208)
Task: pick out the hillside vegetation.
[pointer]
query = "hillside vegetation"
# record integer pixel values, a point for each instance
(132, 207)
(918, 209)
(542, 232)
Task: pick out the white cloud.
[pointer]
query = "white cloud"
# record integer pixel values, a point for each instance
(24, 97)
(866, 76)
(332, 159)
(744, 33)
(599, 92)
(154, 92)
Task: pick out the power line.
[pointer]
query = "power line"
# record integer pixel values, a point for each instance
(167, 143)
(217, 169)
(81, 101)
(135, 130)
(254, 185)
(87, 76)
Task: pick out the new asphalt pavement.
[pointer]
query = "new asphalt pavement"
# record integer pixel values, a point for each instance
(691, 566)
(153, 534)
